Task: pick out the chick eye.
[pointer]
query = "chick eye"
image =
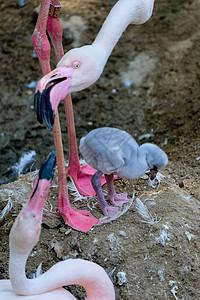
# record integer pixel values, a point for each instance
(76, 65)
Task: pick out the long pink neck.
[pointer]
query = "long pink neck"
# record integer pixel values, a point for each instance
(121, 15)
(72, 271)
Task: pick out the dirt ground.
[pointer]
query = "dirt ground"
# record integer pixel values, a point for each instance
(150, 85)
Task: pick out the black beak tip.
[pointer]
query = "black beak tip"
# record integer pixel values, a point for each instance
(42, 103)
(48, 166)
(153, 174)
(49, 117)
(37, 105)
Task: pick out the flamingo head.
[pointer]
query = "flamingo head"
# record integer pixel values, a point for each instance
(78, 69)
(26, 230)
(156, 158)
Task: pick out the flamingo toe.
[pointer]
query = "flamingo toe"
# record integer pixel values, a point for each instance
(81, 220)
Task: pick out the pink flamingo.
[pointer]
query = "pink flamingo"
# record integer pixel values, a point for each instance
(24, 236)
(48, 18)
(78, 69)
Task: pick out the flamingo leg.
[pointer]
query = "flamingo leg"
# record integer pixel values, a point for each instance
(81, 220)
(77, 219)
(54, 29)
(105, 208)
(81, 175)
(39, 38)
(114, 198)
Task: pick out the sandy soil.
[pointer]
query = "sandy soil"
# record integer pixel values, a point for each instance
(150, 85)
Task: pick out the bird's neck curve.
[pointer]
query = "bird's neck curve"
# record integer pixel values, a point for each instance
(17, 264)
(121, 15)
(141, 166)
(70, 272)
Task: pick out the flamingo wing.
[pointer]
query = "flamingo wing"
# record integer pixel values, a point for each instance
(105, 149)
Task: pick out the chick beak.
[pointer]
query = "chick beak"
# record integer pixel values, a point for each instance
(153, 173)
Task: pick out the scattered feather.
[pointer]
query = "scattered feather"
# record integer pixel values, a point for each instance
(51, 206)
(149, 200)
(163, 238)
(26, 159)
(165, 142)
(146, 136)
(121, 278)
(39, 270)
(12, 173)
(72, 187)
(110, 273)
(189, 235)
(174, 288)
(6, 210)
(144, 213)
(93, 205)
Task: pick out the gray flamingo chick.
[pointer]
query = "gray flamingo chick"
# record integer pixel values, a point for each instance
(115, 152)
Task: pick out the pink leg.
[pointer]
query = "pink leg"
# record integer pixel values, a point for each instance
(106, 209)
(54, 29)
(39, 38)
(81, 175)
(80, 220)
(114, 198)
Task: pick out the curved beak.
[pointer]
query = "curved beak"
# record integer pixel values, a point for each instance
(41, 186)
(50, 90)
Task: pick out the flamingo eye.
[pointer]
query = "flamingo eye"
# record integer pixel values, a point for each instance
(76, 65)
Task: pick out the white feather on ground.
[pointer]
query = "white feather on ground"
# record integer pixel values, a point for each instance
(6, 209)
(72, 187)
(146, 216)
